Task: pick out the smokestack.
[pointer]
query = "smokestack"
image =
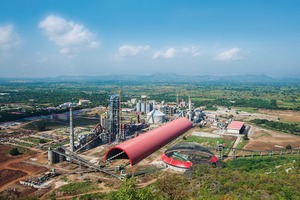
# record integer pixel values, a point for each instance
(190, 109)
(71, 131)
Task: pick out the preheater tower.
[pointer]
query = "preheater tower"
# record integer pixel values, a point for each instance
(114, 116)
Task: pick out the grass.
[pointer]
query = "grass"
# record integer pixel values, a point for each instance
(205, 141)
(59, 144)
(263, 163)
(24, 144)
(242, 143)
(287, 104)
(249, 110)
(35, 140)
(77, 188)
(92, 196)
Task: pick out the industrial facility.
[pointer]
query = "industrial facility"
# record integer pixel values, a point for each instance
(125, 138)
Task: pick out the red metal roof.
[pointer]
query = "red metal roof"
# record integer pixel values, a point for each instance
(235, 125)
(176, 163)
(140, 147)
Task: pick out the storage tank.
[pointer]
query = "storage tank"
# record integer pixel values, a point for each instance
(156, 116)
(149, 107)
(138, 106)
(143, 107)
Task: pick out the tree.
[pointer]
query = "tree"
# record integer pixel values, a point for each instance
(14, 152)
(245, 137)
(172, 187)
(41, 126)
(288, 146)
(42, 141)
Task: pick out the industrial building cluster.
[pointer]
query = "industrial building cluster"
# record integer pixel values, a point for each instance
(149, 127)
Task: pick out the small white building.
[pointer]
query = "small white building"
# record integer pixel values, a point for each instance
(83, 102)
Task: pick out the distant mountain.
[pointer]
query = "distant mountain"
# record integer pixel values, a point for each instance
(162, 77)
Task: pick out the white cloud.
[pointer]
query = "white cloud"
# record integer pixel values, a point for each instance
(64, 51)
(194, 51)
(8, 37)
(231, 54)
(41, 58)
(67, 34)
(169, 53)
(130, 50)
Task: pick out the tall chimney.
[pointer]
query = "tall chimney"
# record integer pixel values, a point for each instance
(190, 109)
(71, 131)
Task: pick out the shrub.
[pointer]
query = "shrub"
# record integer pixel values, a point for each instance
(14, 152)
(245, 137)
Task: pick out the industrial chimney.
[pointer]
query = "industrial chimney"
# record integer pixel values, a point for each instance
(190, 109)
(71, 131)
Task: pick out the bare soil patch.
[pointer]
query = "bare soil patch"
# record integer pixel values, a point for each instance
(30, 169)
(3, 153)
(284, 115)
(9, 175)
(262, 139)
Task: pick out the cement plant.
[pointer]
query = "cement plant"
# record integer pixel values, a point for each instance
(140, 138)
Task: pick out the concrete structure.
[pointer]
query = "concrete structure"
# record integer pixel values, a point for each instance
(83, 102)
(155, 116)
(149, 107)
(236, 127)
(138, 106)
(71, 131)
(143, 107)
(190, 109)
(114, 116)
(140, 147)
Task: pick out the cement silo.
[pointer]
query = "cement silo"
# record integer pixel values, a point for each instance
(143, 107)
(156, 116)
(138, 106)
(149, 107)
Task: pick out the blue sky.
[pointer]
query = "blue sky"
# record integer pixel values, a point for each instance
(95, 37)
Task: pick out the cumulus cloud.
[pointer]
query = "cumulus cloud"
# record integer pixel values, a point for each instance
(131, 50)
(67, 34)
(8, 37)
(194, 51)
(231, 54)
(169, 53)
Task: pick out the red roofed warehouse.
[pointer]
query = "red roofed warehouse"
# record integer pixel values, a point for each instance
(236, 127)
(140, 147)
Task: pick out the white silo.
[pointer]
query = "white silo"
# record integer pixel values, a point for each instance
(156, 116)
(143, 107)
(138, 106)
(149, 107)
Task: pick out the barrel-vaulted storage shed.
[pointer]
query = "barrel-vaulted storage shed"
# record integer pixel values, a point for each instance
(140, 147)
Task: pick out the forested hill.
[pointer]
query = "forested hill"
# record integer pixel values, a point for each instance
(165, 77)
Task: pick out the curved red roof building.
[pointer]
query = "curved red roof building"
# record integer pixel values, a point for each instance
(185, 155)
(176, 163)
(140, 147)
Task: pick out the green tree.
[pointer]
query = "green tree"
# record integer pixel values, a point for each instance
(245, 137)
(41, 126)
(14, 152)
(172, 187)
(288, 146)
